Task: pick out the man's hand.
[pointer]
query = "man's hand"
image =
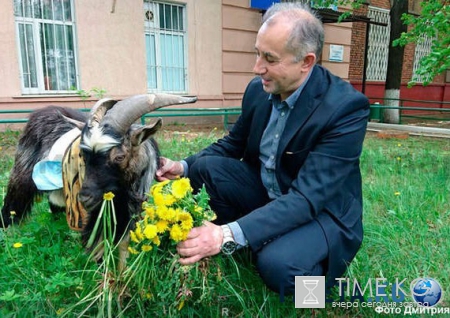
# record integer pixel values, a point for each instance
(169, 169)
(202, 241)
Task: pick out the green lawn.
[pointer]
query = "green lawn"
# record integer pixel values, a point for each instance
(406, 219)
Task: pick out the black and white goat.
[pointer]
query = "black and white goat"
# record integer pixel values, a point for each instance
(116, 156)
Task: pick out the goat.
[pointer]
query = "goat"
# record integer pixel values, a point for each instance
(111, 155)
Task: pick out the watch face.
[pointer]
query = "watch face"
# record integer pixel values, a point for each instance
(229, 247)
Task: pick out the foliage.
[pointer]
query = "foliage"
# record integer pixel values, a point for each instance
(99, 93)
(433, 22)
(352, 4)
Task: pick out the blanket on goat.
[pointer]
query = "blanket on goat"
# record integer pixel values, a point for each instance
(64, 169)
(47, 173)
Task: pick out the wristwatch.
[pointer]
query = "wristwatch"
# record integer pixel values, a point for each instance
(229, 245)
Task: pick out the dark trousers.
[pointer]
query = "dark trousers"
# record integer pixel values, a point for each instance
(236, 189)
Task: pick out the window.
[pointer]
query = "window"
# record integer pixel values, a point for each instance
(46, 41)
(165, 43)
(378, 50)
(422, 49)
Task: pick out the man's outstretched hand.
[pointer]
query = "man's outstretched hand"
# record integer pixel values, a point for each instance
(202, 241)
(169, 169)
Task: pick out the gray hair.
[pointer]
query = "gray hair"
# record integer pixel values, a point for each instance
(307, 34)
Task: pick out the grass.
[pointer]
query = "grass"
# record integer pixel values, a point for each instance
(406, 219)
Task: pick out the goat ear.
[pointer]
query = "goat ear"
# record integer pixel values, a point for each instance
(77, 123)
(141, 134)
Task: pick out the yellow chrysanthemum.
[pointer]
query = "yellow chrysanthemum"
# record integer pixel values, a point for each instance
(138, 233)
(108, 196)
(157, 187)
(181, 187)
(133, 237)
(158, 198)
(161, 212)
(146, 248)
(187, 222)
(173, 214)
(132, 250)
(169, 199)
(150, 212)
(163, 199)
(156, 241)
(17, 245)
(168, 214)
(177, 234)
(161, 226)
(150, 231)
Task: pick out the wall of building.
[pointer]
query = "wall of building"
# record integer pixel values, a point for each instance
(437, 91)
(111, 52)
(337, 34)
(239, 28)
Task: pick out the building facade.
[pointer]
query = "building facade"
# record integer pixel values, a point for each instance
(377, 58)
(72, 52)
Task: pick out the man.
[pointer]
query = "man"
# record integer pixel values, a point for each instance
(286, 180)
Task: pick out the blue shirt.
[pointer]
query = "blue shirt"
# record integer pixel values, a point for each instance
(268, 149)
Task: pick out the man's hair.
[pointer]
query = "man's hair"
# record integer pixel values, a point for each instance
(307, 33)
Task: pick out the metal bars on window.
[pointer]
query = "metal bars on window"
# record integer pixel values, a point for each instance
(46, 41)
(378, 51)
(165, 43)
(422, 49)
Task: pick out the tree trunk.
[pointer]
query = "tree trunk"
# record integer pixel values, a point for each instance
(395, 62)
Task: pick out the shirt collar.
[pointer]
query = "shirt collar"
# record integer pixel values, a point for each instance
(292, 99)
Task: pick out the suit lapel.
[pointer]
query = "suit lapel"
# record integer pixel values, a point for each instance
(303, 109)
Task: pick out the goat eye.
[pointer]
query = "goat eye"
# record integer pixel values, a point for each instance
(119, 158)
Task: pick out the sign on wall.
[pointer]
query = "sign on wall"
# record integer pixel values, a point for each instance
(336, 53)
(262, 4)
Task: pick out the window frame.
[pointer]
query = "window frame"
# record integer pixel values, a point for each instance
(37, 27)
(153, 30)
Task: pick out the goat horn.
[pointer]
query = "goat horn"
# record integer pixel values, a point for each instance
(127, 111)
(99, 110)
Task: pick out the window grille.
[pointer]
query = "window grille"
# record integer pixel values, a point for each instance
(423, 48)
(378, 50)
(46, 41)
(165, 43)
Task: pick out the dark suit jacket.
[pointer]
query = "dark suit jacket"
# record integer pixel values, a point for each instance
(317, 164)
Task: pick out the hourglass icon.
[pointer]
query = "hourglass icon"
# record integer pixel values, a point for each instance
(310, 285)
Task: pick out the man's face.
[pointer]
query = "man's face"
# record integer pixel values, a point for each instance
(279, 72)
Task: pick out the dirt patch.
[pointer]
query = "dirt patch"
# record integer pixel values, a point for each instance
(190, 131)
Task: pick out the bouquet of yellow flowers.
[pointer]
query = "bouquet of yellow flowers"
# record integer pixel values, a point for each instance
(171, 211)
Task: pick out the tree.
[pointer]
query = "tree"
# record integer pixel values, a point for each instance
(432, 22)
(395, 62)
